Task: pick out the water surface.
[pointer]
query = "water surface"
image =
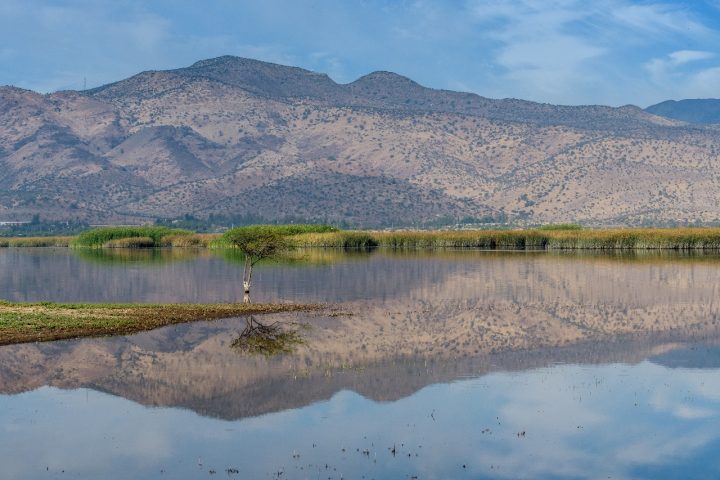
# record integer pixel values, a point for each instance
(468, 364)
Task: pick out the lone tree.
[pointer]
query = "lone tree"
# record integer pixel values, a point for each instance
(256, 243)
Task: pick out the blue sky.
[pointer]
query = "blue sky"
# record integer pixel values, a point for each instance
(560, 51)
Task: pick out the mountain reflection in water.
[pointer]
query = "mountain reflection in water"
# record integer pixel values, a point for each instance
(515, 365)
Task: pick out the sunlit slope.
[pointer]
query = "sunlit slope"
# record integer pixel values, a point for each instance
(237, 136)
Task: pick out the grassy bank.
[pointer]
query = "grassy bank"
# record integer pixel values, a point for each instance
(39, 322)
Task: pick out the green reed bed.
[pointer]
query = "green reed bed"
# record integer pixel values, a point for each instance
(130, 242)
(193, 240)
(339, 239)
(35, 241)
(553, 237)
(109, 236)
(549, 239)
(626, 239)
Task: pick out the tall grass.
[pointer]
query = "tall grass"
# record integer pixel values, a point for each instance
(99, 237)
(35, 241)
(195, 240)
(670, 238)
(625, 239)
(342, 239)
(554, 237)
(130, 242)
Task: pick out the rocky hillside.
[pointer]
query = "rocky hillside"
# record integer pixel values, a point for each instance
(693, 111)
(238, 137)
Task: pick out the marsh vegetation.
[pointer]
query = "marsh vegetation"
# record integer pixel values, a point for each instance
(550, 237)
(35, 241)
(132, 236)
(563, 238)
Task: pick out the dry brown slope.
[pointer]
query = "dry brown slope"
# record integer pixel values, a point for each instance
(238, 136)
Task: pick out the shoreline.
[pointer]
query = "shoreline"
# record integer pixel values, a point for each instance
(47, 321)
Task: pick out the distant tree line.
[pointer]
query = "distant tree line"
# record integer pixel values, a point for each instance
(222, 222)
(40, 228)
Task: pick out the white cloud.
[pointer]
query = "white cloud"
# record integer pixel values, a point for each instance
(559, 51)
(703, 84)
(678, 76)
(684, 56)
(542, 57)
(687, 412)
(661, 68)
(658, 19)
(569, 51)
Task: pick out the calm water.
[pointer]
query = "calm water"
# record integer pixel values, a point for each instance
(453, 365)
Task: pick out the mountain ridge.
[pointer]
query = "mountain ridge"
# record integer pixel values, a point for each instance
(696, 110)
(240, 137)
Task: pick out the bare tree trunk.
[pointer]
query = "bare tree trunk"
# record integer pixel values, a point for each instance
(247, 275)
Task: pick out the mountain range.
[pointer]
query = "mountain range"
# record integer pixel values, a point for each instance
(698, 110)
(238, 137)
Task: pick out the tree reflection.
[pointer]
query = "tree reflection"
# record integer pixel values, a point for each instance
(268, 339)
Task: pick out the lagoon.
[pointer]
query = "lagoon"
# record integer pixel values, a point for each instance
(468, 364)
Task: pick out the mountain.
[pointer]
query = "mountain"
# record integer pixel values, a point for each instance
(239, 137)
(705, 110)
